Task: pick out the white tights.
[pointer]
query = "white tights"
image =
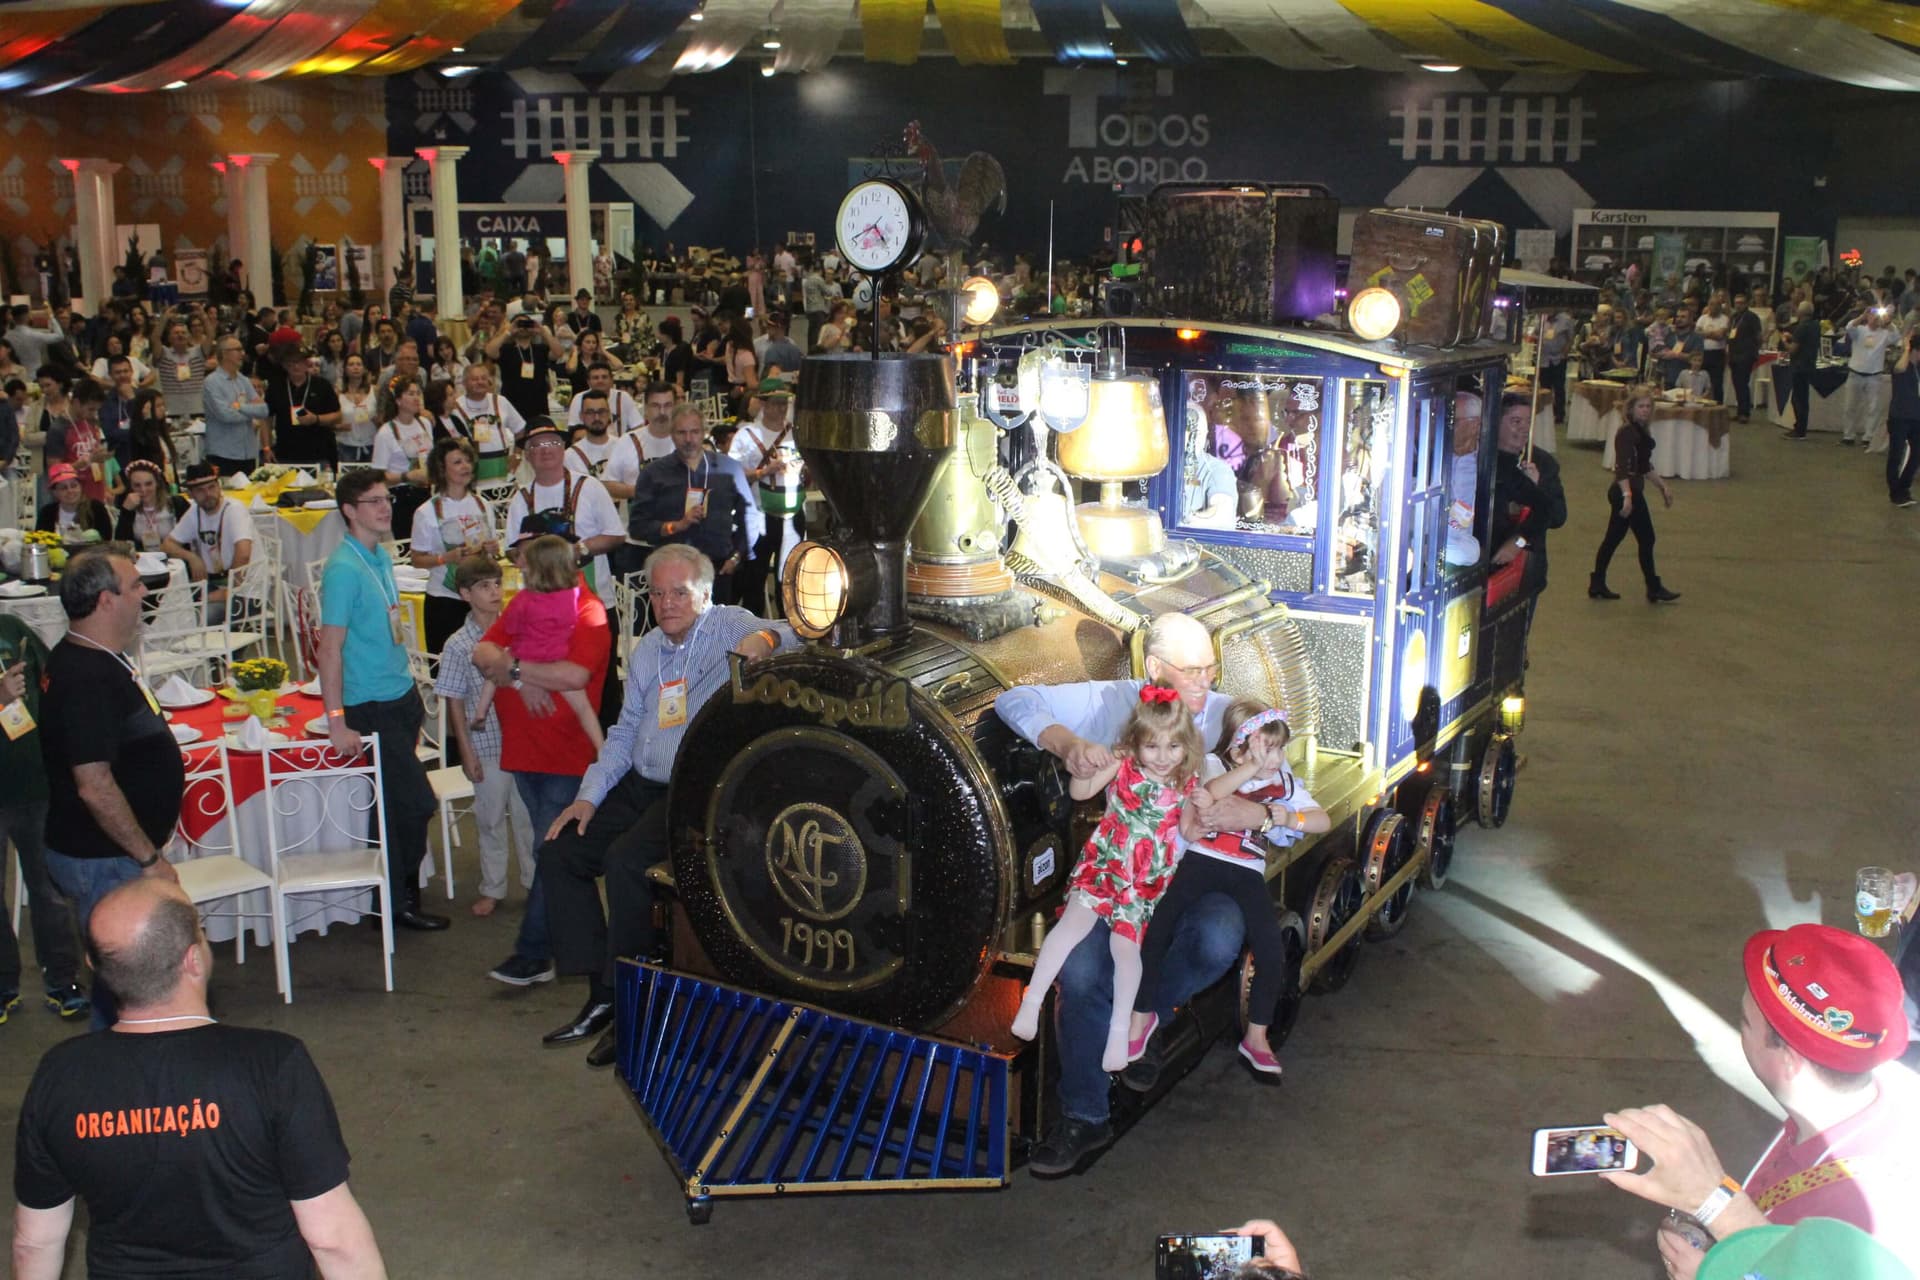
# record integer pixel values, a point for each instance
(1075, 923)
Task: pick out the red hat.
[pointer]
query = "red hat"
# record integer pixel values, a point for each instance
(283, 336)
(1832, 995)
(60, 473)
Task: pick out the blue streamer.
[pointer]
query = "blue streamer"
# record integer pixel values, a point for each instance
(570, 22)
(643, 28)
(1643, 39)
(1077, 29)
(1157, 27)
(119, 43)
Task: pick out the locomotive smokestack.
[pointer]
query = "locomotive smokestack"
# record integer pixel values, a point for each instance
(873, 433)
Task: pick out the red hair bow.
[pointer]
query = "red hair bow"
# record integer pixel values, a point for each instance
(1151, 693)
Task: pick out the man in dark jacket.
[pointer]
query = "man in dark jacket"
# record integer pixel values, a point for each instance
(1743, 350)
(698, 497)
(1528, 499)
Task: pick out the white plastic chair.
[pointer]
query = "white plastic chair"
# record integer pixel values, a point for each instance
(452, 791)
(326, 832)
(210, 867)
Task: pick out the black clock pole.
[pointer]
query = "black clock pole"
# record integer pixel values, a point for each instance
(873, 284)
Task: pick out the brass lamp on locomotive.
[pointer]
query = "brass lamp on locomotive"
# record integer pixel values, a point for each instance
(865, 857)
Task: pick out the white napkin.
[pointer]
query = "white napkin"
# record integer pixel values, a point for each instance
(253, 735)
(176, 690)
(302, 478)
(236, 481)
(150, 563)
(259, 504)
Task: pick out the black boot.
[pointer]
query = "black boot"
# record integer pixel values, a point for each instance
(1657, 594)
(1597, 589)
(408, 915)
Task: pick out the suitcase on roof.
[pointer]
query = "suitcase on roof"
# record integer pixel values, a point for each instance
(1441, 268)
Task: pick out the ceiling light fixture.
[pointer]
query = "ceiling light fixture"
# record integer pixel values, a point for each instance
(1119, 62)
(766, 69)
(459, 48)
(175, 84)
(697, 16)
(1444, 68)
(456, 71)
(771, 42)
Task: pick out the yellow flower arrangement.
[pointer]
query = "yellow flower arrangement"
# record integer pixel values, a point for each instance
(257, 675)
(43, 538)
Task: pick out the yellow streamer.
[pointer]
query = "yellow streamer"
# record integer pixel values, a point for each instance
(891, 29)
(399, 35)
(1434, 27)
(973, 31)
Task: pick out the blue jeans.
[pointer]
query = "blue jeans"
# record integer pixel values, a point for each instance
(83, 882)
(545, 795)
(1205, 943)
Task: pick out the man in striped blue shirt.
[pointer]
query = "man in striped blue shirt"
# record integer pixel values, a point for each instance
(616, 826)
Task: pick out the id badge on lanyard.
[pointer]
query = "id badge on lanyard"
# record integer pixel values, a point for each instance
(696, 498)
(16, 720)
(673, 703)
(393, 625)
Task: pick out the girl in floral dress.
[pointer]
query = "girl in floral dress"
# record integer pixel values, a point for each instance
(1129, 859)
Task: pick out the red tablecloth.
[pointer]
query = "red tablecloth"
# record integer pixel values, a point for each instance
(249, 778)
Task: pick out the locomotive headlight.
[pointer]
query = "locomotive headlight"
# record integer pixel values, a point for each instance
(814, 589)
(1513, 713)
(1373, 314)
(983, 299)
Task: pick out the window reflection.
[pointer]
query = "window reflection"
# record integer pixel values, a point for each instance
(1252, 458)
(1366, 417)
(1463, 481)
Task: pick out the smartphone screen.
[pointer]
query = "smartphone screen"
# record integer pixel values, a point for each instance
(1202, 1257)
(1591, 1148)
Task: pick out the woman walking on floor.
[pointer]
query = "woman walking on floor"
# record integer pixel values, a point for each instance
(1632, 472)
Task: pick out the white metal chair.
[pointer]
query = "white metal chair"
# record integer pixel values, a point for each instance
(633, 615)
(326, 832)
(45, 614)
(255, 614)
(452, 791)
(210, 867)
(174, 639)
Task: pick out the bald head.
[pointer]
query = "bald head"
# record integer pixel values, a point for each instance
(1804, 310)
(139, 939)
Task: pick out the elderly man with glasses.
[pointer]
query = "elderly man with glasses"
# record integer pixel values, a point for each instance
(616, 826)
(239, 424)
(1078, 723)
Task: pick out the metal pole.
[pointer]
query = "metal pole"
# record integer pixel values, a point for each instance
(1533, 407)
(1047, 289)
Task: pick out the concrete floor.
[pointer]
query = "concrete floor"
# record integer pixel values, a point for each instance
(1694, 773)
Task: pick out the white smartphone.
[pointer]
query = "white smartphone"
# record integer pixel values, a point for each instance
(1587, 1148)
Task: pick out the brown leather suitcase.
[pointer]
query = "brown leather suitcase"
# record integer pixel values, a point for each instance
(1442, 268)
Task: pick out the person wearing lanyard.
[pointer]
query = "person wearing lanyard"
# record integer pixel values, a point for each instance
(699, 498)
(577, 507)
(239, 425)
(616, 826)
(490, 423)
(213, 538)
(114, 773)
(368, 688)
(306, 412)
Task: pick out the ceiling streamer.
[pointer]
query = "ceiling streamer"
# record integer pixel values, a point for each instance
(314, 25)
(25, 34)
(1157, 27)
(635, 35)
(1077, 29)
(231, 37)
(728, 26)
(891, 30)
(570, 22)
(810, 32)
(118, 41)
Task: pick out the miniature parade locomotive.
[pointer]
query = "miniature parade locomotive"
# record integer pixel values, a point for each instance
(865, 858)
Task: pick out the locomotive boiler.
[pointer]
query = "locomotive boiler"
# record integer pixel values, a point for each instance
(865, 858)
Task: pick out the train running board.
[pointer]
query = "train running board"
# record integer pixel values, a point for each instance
(749, 1095)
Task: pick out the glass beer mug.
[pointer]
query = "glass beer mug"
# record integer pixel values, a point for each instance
(1873, 901)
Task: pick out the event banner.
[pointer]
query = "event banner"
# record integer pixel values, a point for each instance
(190, 272)
(1803, 255)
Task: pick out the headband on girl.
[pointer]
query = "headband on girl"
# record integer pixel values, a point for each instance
(1151, 693)
(151, 468)
(1255, 723)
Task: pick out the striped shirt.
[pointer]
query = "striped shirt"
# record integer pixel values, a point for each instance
(181, 378)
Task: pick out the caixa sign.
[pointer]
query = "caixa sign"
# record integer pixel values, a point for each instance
(501, 222)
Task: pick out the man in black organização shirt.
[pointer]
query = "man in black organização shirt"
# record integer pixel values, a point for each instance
(200, 1149)
(114, 773)
(306, 412)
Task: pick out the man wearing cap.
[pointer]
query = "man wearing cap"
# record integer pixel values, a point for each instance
(1822, 1009)
(577, 507)
(239, 426)
(305, 409)
(583, 318)
(765, 450)
(779, 354)
(623, 411)
(214, 537)
(700, 498)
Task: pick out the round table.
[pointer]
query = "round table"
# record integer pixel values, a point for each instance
(1826, 405)
(1594, 410)
(208, 824)
(1690, 441)
(304, 536)
(48, 618)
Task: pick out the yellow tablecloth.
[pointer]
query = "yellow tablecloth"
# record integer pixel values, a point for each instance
(301, 518)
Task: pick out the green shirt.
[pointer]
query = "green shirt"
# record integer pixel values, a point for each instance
(20, 763)
(357, 592)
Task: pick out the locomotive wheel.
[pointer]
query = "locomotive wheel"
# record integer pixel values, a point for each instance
(1494, 781)
(1434, 833)
(1286, 1010)
(1336, 897)
(1385, 850)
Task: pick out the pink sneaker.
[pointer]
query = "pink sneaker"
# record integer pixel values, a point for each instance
(1260, 1060)
(1137, 1049)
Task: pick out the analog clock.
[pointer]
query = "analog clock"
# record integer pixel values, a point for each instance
(881, 226)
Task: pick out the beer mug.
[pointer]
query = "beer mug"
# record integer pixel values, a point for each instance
(1873, 901)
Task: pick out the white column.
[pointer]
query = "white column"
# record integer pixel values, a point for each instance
(259, 254)
(444, 164)
(579, 219)
(236, 220)
(394, 233)
(93, 214)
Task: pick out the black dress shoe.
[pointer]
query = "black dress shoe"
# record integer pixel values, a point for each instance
(1072, 1144)
(603, 1051)
(1597, 590)
(594, 1017)
(1660, 595)
(424, 922)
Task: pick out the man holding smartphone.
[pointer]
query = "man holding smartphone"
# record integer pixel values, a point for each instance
(1822, 1009)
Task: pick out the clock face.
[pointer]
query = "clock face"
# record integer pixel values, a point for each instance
(879, 227)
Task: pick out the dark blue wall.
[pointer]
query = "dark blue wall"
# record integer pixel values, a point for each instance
(733, 157)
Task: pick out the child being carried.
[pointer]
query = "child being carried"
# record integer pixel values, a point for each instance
(540, 622)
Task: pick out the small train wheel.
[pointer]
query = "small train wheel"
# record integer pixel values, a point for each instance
(1336, 897)
(1286, 1010)
(699, 1212)
(1494, 781)
(1433, 833)
(1384, 851)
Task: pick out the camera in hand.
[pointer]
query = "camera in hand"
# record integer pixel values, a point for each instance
(1206, 1257)
(1592, 1148)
